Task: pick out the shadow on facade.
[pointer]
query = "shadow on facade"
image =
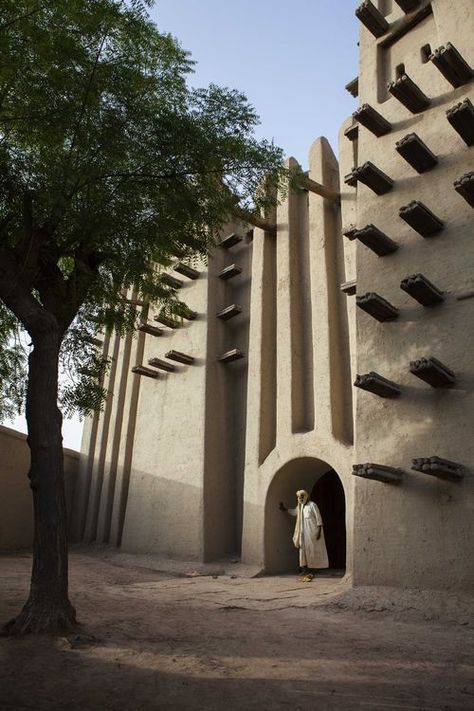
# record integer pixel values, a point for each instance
(326, 489)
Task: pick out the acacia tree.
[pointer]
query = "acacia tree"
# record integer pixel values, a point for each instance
(109, 164)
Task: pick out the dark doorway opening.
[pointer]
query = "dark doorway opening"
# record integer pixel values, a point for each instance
(328, 493)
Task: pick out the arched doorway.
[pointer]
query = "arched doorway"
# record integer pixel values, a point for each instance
(328, 493)
(325, 487)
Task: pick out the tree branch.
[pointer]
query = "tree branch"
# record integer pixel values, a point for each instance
(87, 92)
(86, 270)
(19, 18)
(16, 295)
(163, 176)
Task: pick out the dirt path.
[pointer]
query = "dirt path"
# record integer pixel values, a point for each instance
(156, 641)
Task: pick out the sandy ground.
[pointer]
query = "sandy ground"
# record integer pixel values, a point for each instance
(184, 640)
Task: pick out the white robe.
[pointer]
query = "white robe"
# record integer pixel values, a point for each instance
(313, 553)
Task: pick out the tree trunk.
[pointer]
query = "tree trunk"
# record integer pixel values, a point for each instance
(48, 608)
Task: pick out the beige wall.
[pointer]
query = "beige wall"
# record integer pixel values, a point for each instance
(196, 462)
(420, 533)
(226, 400)
(174, 446)
(300, 419)
(16, 504)
(167, 460)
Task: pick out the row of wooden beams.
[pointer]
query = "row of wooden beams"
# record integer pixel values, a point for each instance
(428, 369)
(434, 466)
(460, 116)
(159, 364)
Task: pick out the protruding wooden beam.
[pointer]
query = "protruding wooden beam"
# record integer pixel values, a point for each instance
(151, 330)
(229, 356)
(377, 384)
(186, 270)
(183, 311)
(228, 272)
(378, 472)
(230, 241)
(229, 312)
(253, 219)
(161, 365)
(372, 18)
(440, 468)
(348, 288)
(376, 240)
(142, 370)
(171, 281)
(452, 65)
(167, 321)
(465, 187)
(461, 118)
(409, 94)
(422, 290)
(377, 307)
(350, 232)
(373, 177)
(350, 179)
(416, 153)
(352, 132)
(353, 87)
(433, 372)
(322, 190)
(421, 219)
(180, 357)
(372, 120)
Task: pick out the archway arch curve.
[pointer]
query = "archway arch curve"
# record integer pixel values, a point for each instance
(300, 473)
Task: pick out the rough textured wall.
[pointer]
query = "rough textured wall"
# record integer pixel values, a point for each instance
(16, 503)
(107, 446)
(226, 397)
(165, 500)
(421, 532)
(172, 447)
(299, 421)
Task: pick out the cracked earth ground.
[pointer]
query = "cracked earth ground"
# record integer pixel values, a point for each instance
(189, 640)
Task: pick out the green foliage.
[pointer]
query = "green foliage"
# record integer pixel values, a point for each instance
(12, 366)
(110, 164)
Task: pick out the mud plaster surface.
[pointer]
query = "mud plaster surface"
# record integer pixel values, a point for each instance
(187, 640)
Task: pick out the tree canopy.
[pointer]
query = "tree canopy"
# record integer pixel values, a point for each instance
(110, 163)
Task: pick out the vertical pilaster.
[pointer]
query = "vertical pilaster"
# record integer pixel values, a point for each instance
(127, 434)
(97, 472)
(332, 374)
(113, 441)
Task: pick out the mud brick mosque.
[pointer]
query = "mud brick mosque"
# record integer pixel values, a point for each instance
(329, 347)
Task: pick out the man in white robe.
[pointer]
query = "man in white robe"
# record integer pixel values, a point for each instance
(309, 535)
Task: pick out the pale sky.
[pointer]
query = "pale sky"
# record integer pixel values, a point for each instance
(291, 59)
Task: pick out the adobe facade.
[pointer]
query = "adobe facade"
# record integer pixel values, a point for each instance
(375, 289)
